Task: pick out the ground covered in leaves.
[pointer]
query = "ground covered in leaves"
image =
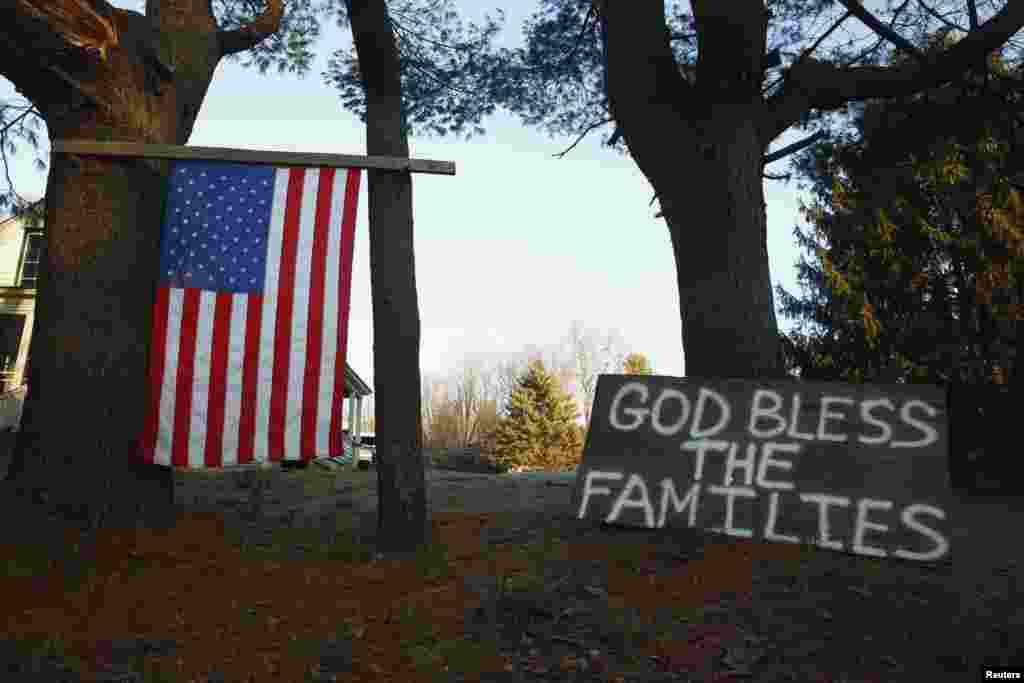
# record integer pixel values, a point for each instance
(495, 597)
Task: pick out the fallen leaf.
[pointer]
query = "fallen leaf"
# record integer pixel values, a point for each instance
(568, 663)
(535, 665)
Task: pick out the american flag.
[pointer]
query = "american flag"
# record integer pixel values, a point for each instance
(251, 315)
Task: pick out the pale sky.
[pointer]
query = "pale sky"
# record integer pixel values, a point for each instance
(511, 249)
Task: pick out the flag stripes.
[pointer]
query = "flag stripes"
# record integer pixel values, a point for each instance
(249, 366)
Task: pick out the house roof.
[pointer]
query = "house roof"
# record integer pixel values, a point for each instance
(356, 382)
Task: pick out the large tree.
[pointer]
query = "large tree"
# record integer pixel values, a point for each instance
(93, 71)
(916, 233)
(697, 100)
(97, 72)
(401, 488)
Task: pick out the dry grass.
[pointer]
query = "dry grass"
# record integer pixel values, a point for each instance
(493, 597)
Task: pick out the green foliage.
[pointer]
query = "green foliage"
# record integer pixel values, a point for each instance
(451, 73)
(290, 49)
(22, 121)
(556, 81)
(915, 228)
(540, 427)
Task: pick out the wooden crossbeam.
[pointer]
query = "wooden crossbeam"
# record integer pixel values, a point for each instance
(250, 156)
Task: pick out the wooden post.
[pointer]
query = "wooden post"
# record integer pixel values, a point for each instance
(357, 432)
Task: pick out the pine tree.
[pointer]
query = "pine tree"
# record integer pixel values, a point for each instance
(916, 226)
(539, 429)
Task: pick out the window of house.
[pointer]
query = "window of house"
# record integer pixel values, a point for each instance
(11, 328)
(30, 257)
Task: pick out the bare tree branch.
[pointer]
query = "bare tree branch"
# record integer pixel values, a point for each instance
(814, 46)
(247, 37)
(795, 147)
(681, 36)
(878, 43)
(946, 22)
(82, 23)
(579, 39)
(616, 134)
(582, 135)
(82, 90)
(972, 13)
(872, 22)
(812, 84)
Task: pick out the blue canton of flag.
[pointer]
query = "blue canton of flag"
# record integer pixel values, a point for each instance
(217, 221)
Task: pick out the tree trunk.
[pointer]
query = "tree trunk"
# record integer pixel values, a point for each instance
(716, 219)
(700, 147)
(77, 444)
(106, 74)
(401, 487)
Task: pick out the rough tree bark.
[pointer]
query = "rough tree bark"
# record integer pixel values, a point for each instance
(401, 488)
(101, 73)
(701, 145)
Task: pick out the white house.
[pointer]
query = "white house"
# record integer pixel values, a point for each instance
(19, 268)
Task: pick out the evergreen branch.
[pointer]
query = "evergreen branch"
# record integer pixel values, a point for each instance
(795, 147)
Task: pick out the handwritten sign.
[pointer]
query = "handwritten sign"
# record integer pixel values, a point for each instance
(855, 468)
